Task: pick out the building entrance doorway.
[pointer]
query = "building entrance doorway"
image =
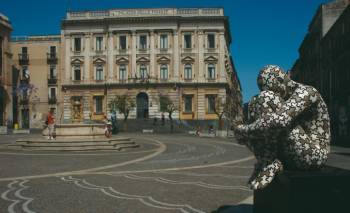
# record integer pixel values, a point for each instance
(142, 105)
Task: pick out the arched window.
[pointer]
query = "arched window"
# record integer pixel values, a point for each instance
(122, 72)
(188, 71)
(211, 71)
(164, 71)
(143, 71)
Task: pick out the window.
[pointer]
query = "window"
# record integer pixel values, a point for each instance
(122, 42)
(98, 104)
(122, 72)
(211, 103)
(211, 40)
(99, 43)
(52, 93)
(163, 41)
(163, 71)
(77, 73)
(99, 72)
(211, 71)
(188, 103)
(188, 71)
(53, 73)
(52, 52)
(143, 71)
(143, 42)
(77, 44)
(52, 49)
(188, 40)
(25, 72)
(24, 50)
(163, 103)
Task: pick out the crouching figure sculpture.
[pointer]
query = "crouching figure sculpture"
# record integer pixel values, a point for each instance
(288, 127)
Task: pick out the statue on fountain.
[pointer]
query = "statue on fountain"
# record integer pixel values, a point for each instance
(288, 127)
(76, 110)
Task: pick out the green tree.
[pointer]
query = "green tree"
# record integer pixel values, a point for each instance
(122, 103)
(168, 106)
(221, 108)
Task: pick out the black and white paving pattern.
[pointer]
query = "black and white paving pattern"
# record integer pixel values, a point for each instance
(168, 173)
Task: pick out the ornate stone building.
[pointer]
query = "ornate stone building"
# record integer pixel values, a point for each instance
(5, 71)
(145, 53)
(324, 63)
(36, 62)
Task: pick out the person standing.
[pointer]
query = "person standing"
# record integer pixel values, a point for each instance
(163, 119)
(51, 124)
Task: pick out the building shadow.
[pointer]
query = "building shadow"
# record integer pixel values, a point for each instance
(240, 208)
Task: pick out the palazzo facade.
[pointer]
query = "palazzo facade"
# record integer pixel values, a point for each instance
(144, 53)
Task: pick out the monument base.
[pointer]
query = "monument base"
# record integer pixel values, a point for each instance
(323, 191)
(78, 131)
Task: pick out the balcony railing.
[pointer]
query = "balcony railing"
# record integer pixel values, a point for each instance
(52, 81)
(24, 81)
(52, 58)
(52, 100)
(23, 59)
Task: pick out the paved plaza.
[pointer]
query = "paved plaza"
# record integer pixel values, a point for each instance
(168, 173)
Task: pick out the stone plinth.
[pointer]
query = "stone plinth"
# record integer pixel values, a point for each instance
(3, 130)
(80, 131)
(324, 191)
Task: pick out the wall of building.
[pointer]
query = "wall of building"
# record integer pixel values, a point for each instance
(5, 72)
(87, 27)
(324, 63)
(38, 67)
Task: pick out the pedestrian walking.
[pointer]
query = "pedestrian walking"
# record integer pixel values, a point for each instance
(50, 120)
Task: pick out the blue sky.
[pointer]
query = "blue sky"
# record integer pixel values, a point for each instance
(263, 32)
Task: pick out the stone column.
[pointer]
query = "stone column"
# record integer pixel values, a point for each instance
(200, 62)
(152, 67)
(221, 62)
(110, 57)
(86, 53)
(68, 67)
(176, 56)
(133, 54)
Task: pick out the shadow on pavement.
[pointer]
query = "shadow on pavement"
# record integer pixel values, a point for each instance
(240, 208)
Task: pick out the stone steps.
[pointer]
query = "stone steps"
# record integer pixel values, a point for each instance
(75, 145)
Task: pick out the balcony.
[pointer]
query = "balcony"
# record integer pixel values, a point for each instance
(52, 80)
(23, 59)
(24, 81)
(52, 58)
(52, 100)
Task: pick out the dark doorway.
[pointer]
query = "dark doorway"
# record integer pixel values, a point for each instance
(25, 118)
(142, 105)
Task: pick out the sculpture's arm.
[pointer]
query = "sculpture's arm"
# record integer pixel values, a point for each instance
(302, 98)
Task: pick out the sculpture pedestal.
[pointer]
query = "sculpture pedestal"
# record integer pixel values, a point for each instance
(78, 131)
(326, 190)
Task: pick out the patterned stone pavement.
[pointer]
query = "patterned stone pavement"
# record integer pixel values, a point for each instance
(168, 173)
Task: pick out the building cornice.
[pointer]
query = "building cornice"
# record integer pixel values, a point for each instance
(144, 85)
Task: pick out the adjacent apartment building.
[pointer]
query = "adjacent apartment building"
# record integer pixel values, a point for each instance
(5, 71)
(36, 63)
(324, 62)
(182, 53)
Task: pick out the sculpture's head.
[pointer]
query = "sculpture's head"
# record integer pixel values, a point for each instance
(273, 78)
